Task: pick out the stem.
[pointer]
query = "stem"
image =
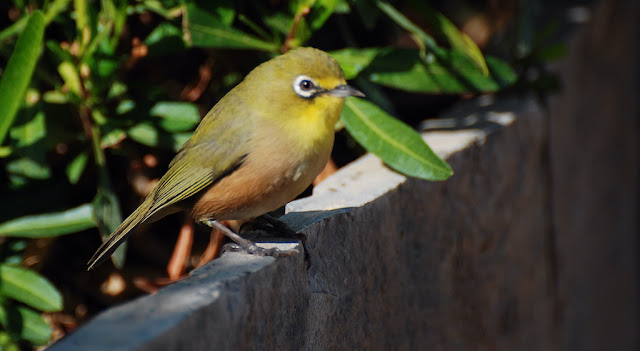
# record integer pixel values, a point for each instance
(294, 26)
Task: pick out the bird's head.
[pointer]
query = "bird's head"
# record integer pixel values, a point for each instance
(305, 83)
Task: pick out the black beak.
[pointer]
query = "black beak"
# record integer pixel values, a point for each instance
(344, 91)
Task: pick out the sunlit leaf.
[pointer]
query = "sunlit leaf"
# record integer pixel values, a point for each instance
(70, 77)
(49, 224)
(206, 29)
(176, 116)
(17, 74)
(397, 144)
(30, 288)
(30, 132)
(76, 167)
(28, 167)
(113, 138)
(55, 97)
(147, 134)
(353, 60)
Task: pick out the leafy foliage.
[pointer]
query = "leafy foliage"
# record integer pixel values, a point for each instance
(71, 102)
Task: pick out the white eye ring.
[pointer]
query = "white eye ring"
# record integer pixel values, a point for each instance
(305, 86)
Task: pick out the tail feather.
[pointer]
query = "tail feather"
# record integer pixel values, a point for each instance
(126, 228)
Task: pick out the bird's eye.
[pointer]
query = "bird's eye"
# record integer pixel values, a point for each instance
(305, 86)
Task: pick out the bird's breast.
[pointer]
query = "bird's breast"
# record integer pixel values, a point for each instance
(275, 171)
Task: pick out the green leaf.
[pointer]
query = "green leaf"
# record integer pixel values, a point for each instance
(55, 8)
(5, 151)
(165, 39)
(451, 73)
(407, 25)
(76, 167)
(147, 134)
(106, 208)
(58, 53)
(108, 217)
(28, 167)
(82, 18)
(446, 30)
(220, 12)
(71, 78)
(55, 97)
(501, 72)
(176, 116)
(50, 224)
(321, 11)
(112, 138)
(30, 132)
(206, 29)
(353, 60)
(17, 74)
(30, 288)
(24, 323)
(397, 144)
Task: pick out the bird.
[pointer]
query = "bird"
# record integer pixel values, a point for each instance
(257, 149)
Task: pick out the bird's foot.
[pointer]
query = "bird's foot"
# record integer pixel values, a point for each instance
(254, 249)
(248, 246)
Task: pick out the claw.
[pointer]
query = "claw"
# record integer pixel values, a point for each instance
(248, 246)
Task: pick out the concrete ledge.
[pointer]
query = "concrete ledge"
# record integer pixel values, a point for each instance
(391, 262)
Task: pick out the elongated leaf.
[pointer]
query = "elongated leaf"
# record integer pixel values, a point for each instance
(108, 217)
(206, 36)
(407, 25)
(206, 29)
(28, 167)
(112, 138)
(50, 224)
(105, 205)
(30, 288)
(451, 73)
(17, 75)
(76, 167)
(71, 77)
(447, 31)
(24, 323)
(397, 144)
(353, 60)
(176, 116)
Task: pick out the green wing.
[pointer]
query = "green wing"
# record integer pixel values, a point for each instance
(192, 171)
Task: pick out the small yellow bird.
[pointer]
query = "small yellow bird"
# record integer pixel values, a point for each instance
(258, 148)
